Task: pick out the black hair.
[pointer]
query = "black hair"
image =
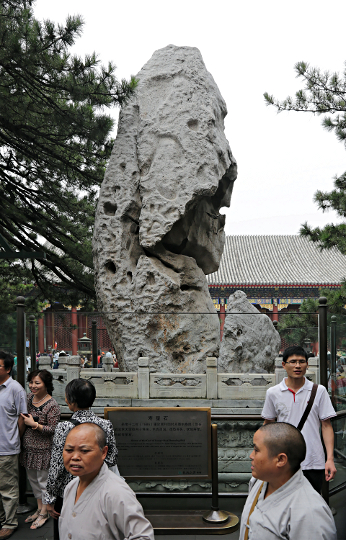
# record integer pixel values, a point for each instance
(281, 437)
(81, 392)
(8, 360)
(294, 350)
(45, 376)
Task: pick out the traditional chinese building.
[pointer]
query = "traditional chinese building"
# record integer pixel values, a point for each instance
(276, 272)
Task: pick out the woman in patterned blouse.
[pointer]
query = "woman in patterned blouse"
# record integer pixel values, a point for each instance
(41, 421)
(79, 396)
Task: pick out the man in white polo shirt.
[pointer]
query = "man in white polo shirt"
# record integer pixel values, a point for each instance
(287, 401)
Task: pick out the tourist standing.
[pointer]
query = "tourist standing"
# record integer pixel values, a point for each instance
(98, 503)
(282, 504)
(41, 421)
(12, 404)
(287, 402)
(79, 396)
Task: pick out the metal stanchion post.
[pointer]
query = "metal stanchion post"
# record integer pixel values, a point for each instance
(94, 343)
(333, 356)
(215, 515)
(32, 343)
(23, 506)
(322, 326)
(21, 356)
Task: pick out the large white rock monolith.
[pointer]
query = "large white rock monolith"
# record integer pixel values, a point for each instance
(158, 229)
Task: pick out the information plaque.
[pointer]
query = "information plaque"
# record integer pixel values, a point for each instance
(162, 442)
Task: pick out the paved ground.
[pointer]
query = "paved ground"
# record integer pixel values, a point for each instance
(338, 502)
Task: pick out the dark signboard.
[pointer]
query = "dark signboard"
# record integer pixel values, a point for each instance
(162, 442)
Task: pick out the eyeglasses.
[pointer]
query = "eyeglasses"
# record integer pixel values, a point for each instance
(294, 362)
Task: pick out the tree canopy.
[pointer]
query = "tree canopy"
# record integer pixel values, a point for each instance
(54, 145)
(299, 329)
(324, 93)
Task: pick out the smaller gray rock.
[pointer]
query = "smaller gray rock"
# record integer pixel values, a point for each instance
(250, 342)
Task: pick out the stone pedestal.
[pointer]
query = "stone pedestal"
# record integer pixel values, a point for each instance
(143, 378)
(44, 362)
(211, 378)
(107, 362)
(73, 368)
(62, 361)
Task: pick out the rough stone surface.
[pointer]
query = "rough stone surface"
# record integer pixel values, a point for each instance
(250, 343)
(158, 230)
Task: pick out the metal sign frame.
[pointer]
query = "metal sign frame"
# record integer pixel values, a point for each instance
(188, 413)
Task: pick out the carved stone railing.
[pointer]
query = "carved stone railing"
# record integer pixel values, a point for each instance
(225, 393)
(114, 384)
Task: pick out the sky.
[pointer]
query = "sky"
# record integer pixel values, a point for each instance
(250, 48)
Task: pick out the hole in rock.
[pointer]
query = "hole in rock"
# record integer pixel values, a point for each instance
(109, 208)
(129, 277)
(178, 357)
(193, 124)
(123, 166)
(151, 279)
(189, 288)
(145, 168)
(110, 267)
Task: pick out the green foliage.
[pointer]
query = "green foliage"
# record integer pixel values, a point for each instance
(296, 329)
(16, 281)
(54, 146)
(324, 94)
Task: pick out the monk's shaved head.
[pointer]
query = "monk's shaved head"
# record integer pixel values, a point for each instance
(88, 426)
(280, 437)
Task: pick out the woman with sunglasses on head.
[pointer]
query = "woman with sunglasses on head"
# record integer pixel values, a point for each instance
(41, 421)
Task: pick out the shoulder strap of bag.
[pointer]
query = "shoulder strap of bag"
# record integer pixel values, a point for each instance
(246, 535)
(308, 407)
(74, 421)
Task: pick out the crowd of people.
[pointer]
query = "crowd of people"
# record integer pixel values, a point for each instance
(30, 429)
(72, 465)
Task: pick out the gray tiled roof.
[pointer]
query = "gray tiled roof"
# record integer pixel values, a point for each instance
(277, 260)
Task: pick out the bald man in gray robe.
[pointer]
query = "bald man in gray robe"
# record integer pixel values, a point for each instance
(98, 503)
(282, 503)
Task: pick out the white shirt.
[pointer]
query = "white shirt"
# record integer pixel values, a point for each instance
(293, 512)
(107, 510)
(280, 403)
